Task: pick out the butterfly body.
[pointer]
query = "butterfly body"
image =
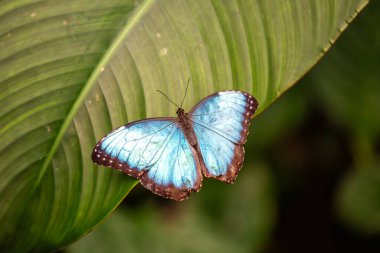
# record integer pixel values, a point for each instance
(169, 155)
(185, 123)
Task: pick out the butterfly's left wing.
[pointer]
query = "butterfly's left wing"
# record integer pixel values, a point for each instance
(221, 122)
(156, 152)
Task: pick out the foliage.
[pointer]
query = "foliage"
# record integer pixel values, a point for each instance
(70, 71)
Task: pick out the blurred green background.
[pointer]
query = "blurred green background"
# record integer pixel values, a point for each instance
(311, 181)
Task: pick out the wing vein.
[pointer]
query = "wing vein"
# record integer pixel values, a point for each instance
(166, 144)
(151, 140)
(200, 124)
(205, 114)
(154, 132)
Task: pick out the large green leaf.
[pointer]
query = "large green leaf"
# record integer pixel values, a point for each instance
(72, 70)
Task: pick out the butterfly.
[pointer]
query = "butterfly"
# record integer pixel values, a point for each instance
(169, 155)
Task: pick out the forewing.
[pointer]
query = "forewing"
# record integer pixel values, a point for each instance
(154, 151)
(221, 123)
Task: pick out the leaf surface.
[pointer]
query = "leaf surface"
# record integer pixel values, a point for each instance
(70, 71)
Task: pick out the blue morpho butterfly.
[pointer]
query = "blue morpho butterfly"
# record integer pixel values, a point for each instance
(168, 155)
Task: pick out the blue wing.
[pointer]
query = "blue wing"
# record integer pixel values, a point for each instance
(156, 152)
(221, 123)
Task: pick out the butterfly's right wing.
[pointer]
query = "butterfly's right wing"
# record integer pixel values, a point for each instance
(221, 123)
(156, 152)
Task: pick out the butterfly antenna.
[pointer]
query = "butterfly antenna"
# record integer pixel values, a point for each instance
(167, 98)
(187, 86)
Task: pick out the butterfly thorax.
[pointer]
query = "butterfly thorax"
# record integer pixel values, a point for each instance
(186, 126)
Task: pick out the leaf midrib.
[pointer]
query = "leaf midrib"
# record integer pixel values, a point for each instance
(89, 85)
